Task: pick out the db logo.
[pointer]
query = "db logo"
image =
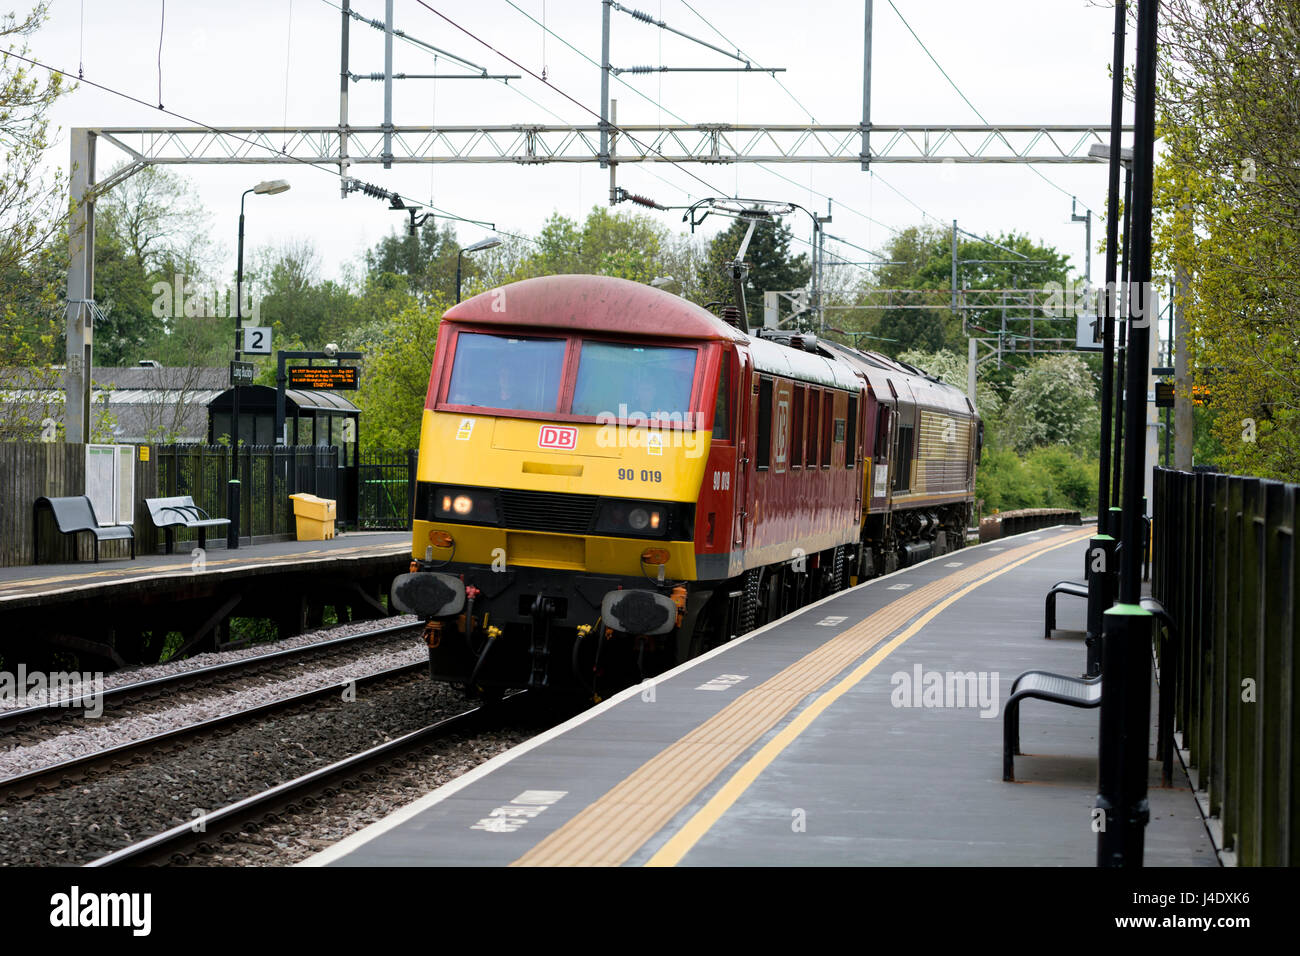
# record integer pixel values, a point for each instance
(558, 436)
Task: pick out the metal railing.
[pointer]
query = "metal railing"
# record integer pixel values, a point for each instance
(386, 490)
(1225, 567)
(268, 476)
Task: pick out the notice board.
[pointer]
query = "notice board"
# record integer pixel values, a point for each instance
(110, 482)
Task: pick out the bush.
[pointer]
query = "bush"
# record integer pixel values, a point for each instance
(1052, 477)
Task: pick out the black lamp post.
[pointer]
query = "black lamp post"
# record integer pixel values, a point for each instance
(268, 188)
(1101, 549)
(477, 247)
(1126, 634)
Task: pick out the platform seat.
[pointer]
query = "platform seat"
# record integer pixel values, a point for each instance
(1072, 588)
(73, 516)
(1042, 685)
(181, 512)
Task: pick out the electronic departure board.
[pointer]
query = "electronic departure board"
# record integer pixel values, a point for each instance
(323, 377)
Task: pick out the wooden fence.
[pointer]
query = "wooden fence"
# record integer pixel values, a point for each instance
(31, 470)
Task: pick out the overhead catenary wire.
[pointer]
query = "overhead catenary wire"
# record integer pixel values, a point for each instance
(812, 118)
(333, 173)
(951, 82)
(162, 23)
(515, 63)
(663, 109)
(288, 59)
(436, 52)
(875, 175)
(429, 49)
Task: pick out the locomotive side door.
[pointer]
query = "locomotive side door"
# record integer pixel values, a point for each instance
(744, 445)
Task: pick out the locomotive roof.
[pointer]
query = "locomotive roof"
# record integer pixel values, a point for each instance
(777, 359)
(584, 303)
(911, 388)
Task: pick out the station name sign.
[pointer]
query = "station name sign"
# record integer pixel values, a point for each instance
(343, 377)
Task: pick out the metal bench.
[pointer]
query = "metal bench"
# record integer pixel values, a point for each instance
(181, 512)
(1072, 588)
(72, 516)
(1042, 685)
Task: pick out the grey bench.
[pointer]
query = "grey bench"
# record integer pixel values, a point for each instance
(73, 516)
(1072, 588)
(1042, 685)
(181, 512)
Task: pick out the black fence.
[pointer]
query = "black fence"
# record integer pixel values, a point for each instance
(1226, 567)
(386, 490)
(268, 475)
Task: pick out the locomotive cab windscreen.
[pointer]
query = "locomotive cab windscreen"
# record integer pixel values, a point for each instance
(653, 381)
(507, 372)
(611, 380)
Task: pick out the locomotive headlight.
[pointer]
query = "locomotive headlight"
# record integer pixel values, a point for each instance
(635, 518)
(465, 504)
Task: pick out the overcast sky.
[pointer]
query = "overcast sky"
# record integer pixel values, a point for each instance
(265, 62)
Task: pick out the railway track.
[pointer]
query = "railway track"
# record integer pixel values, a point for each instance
(175, 844)
(64, 709)
(55, 774)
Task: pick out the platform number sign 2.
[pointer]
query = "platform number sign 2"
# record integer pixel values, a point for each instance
(257, 340)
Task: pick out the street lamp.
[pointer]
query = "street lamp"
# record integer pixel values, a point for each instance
(1110, 455)
(268, 188)
(479, 246)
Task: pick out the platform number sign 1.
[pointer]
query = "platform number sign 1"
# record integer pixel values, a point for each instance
(257, 340)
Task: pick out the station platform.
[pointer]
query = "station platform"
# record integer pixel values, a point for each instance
(40, 583)
(111, 612)
(817, 740)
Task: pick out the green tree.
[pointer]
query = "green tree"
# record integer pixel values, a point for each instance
(31, 214)
(1228, 213)
(395, 377)
(627, 245)
(298, 304)
(151, 235)
(1052, 402)
(921, 259)
(427, 260)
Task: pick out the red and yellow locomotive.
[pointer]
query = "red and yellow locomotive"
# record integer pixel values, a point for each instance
(613, 479)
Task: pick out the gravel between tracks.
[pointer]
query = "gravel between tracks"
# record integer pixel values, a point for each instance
(88, 736)
(83, 821)
(294, 837)
(131, 675)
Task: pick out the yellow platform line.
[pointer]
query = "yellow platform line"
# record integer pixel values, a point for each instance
(681, 843)
(611, 829)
